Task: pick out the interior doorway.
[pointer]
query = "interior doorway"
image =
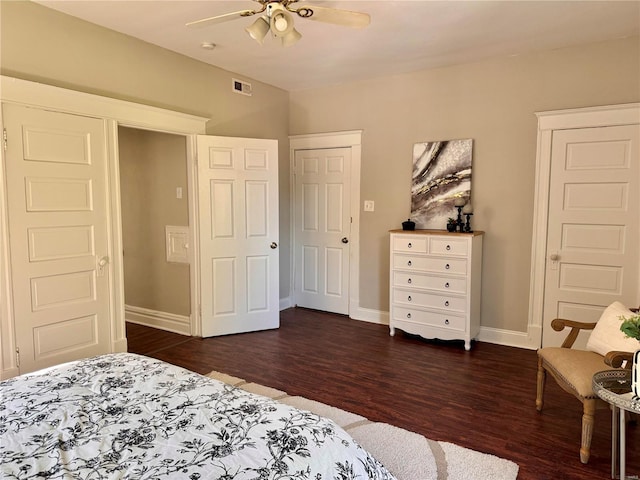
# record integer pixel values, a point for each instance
(154, 192)
(349, 283)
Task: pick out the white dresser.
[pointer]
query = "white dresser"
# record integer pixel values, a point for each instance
(435, 284)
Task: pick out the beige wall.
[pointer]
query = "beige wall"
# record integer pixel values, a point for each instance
(42, 45)
(492, 102)
(152, 166)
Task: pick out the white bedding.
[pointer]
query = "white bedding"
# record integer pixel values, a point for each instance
(127, 416)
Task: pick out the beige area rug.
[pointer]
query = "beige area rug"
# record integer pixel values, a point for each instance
(408, 455)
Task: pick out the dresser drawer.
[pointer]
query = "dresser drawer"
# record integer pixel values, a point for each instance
(418, 280)
(448, 246)
(404, 243)
(454, 266)
(441, 320)
(429, 300)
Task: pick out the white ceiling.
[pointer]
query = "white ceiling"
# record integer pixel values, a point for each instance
(403, 36)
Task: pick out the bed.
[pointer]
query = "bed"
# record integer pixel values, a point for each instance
(127, 416)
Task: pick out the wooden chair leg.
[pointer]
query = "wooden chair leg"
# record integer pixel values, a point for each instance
(589, 411)
(542, 378)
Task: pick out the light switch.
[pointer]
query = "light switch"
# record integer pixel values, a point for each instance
(179, 192)
(369, 205)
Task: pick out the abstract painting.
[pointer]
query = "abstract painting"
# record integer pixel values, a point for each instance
(441, 175)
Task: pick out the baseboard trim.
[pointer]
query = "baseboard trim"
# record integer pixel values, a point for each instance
(120, 346)
(170, 322)
(286, 302)
(508, 338)
(9, 373)
(370, 315)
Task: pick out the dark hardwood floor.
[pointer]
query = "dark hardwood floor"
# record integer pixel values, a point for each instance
(483, 399)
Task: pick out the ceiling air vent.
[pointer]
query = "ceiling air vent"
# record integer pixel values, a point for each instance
(241, 87)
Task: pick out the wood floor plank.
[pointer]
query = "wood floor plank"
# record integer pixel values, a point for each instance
(483, 399)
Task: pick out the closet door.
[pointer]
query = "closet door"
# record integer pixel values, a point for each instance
(593, 225)
(322, 229)
(56, 168)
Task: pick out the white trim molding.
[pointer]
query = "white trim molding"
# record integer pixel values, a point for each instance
(286, 302)
(349, 139)
(607, 115)
(602, 116)
(170, 322)
(137, 115)
(8, 355)
(370, 315)
(509, 338)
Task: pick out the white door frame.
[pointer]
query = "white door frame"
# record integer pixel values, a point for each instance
(349, 139)
(607, 115)
(115, 112)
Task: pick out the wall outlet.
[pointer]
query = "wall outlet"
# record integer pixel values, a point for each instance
(369, 205)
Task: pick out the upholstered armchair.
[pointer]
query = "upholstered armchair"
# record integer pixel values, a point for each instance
(573, 370)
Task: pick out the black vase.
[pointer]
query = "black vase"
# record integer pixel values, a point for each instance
(408, 225)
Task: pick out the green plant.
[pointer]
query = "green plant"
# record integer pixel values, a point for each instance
(451, 220)
(631, 326)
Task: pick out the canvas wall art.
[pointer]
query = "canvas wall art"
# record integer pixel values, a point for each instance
(441, 175)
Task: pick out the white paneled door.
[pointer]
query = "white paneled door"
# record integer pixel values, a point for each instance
(593, 254)
(56, 167)
(322, 226)
(238, 210)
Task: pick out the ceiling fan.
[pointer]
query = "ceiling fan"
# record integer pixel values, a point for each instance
(277, 18)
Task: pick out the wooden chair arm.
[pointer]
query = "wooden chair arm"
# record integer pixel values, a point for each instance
(560, 324)
(615, 359)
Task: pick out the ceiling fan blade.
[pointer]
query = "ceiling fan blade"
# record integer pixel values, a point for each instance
(346, 18)
(205, 22)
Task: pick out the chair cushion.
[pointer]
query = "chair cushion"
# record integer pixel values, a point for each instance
(575, 367)
(607, 336)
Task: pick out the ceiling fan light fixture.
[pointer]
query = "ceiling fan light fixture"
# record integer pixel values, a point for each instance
(290, 38)
(281, 23)
(258, 29)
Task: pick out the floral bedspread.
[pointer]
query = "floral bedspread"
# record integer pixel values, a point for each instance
(124, 416)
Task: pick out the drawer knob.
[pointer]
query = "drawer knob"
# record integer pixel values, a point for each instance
(446, 322)
(446, 285)
(408, 315)
(409, 298)
(447, 266)
(409, 280)
(446, 304)
(409, 263)
(409, 245)
(448, 247)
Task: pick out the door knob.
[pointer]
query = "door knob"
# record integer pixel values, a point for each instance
(273, 245)
(345, 240)
(554, 257)
(102, 262)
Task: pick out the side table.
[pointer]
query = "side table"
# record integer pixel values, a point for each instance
(614, 387)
